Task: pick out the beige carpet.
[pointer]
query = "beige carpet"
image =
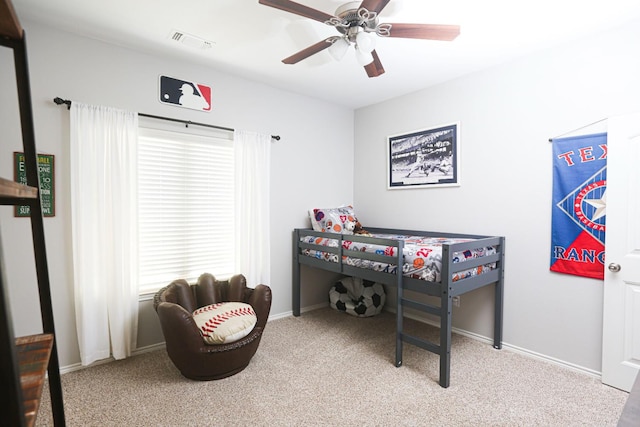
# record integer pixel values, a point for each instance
(327, 368)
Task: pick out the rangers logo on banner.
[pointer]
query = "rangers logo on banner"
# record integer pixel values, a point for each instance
(184, 93)
(579, 205)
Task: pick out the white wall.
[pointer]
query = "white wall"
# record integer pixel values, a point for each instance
(507, 114)
(89, 71)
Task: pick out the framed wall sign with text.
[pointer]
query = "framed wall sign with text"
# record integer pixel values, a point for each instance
(46, 169)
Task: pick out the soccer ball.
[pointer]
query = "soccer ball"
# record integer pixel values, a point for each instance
(358, 297)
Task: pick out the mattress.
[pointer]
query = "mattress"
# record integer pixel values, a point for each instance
(422, 256)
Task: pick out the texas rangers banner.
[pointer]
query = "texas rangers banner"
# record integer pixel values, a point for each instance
(579, 205)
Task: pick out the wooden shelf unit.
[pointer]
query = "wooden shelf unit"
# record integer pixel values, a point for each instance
(11, 189)
(34, 352)
(26, 361)
(9, 24)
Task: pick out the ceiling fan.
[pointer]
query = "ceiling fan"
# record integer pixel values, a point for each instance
(356, 21)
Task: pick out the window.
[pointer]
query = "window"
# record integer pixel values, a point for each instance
(185, 207)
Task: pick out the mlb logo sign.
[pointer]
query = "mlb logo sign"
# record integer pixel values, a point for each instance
(184, 93)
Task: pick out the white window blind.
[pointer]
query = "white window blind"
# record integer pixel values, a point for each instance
(185, 207)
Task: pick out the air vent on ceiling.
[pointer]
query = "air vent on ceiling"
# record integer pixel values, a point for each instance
(190, 40)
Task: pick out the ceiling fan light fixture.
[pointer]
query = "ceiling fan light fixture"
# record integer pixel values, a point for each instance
(363, 57)
(338, 48)
(365, 42)
(357, 22)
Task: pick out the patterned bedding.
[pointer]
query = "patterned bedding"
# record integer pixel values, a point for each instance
(422, 255)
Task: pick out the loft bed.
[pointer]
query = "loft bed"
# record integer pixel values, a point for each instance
(453, 264)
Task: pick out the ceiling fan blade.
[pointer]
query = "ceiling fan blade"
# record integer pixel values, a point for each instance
(424, 31)
(311, 50)
(375, 68)
(298, 9)
(374, 5)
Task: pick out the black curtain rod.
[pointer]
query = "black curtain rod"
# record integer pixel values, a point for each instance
(67, 102)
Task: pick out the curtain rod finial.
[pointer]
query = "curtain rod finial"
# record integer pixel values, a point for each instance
(60, 101)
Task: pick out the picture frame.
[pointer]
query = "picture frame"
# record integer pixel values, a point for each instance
(426, 158)
(46, 170)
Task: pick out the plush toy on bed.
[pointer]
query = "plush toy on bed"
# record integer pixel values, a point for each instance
(356, 228)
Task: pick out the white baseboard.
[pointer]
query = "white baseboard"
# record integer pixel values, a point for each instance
(79, 366)
(553, 360)
(280, 316)
(510, 347)
(302, 310)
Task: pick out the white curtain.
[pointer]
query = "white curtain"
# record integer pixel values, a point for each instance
(252, 153)
(103, 212)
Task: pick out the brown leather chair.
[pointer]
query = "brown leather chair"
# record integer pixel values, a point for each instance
(187, 350)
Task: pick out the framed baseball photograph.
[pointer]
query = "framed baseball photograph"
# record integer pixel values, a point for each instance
(425, 158)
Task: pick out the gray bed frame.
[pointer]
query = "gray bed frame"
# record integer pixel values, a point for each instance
(445, 290)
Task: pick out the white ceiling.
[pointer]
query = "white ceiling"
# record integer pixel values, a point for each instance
(250, 39)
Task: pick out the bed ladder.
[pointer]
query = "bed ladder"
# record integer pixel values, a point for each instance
(443, 349)
(444, 311)
(24, 361)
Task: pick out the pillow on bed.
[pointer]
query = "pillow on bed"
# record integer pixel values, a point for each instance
(333, 220)
(225, 322)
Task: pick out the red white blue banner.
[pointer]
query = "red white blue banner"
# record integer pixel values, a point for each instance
(579, 205)
(184, 93)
